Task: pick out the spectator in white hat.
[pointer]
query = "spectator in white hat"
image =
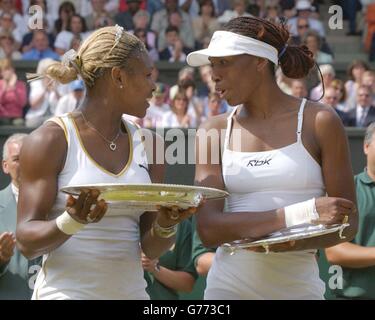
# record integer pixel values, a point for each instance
(305, 10)
(71, 101)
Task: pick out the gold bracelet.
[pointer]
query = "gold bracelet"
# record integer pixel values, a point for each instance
(163, 232)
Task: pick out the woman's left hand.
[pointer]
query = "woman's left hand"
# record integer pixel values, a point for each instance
(169, 216)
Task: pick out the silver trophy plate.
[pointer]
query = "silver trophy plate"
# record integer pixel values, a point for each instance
(150, 195)
(298, 232)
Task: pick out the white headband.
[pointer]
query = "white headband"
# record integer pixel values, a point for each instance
(225, 43)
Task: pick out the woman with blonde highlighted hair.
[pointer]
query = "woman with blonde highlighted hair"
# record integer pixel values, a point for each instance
(92, 250)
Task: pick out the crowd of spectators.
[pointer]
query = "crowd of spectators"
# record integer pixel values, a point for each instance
(170, 30)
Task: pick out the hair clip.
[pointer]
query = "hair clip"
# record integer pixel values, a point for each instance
(68, 57)
(71, 58)
(119, 31)
(283, 50)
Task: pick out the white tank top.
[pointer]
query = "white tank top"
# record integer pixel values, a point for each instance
(265, 181)
(102, 261)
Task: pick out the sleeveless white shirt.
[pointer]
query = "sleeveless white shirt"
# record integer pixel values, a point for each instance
(262, 181)
(102, 261)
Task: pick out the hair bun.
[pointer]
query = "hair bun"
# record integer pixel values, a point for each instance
(61, 73)
(296, 61)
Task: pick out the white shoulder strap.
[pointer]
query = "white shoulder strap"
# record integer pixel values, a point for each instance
(300, 119)
(229, 127)
(62, 124)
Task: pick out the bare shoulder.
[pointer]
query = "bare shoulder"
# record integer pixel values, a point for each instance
(321, 115)
(47, 137)
(323, 125)
(46, 145)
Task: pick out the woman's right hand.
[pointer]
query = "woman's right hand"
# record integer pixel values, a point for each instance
(86, 208)
(148, 264)
(333, 210)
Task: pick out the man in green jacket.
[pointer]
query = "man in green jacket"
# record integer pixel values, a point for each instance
(357, 258)
(173, 273)
(13, 266)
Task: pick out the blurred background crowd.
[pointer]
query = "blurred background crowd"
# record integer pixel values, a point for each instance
(171, 29)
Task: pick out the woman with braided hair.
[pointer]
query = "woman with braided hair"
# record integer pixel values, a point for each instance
(91, 251)
(279, 158)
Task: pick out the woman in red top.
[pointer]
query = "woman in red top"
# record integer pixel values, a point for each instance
(13, 94)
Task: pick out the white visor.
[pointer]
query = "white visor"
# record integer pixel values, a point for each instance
(225, 43)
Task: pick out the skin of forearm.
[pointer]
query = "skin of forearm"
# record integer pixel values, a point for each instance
(177, 280)
(35, 238)
(228, 227)
(350, 255)
(154, 246)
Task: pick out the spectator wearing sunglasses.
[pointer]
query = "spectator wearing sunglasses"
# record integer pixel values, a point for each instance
(303, 27)
(306, 10)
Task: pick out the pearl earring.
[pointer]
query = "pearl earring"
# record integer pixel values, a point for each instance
(121, 87)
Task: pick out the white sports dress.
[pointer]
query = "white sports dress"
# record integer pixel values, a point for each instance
(102, 261)
(265, 181)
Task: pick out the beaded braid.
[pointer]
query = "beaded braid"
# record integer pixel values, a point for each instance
(295, 62)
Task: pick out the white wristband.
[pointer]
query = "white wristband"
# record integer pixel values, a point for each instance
(67, 224)
(299, 213)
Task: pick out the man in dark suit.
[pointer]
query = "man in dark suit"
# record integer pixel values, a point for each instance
(364, 112)
(175, 50)
(13, 266)
(331, 98)
(125, 18)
